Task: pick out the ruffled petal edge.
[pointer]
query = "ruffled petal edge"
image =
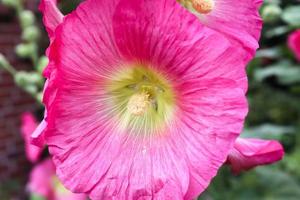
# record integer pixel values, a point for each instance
(249, 153)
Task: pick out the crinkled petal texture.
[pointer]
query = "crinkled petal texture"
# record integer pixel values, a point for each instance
(249, 153)
(294, 43)
(92, 152)
(238, 20)
(43, 182)
(28, 125)
(52, 17)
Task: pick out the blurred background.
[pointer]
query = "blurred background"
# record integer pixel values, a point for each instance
(274, 98)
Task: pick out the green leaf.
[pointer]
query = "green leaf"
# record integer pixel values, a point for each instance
(291, 15)
(286, 185)
(36, 197)
(271, 13)
(277, 31)
(284, 72)
(267, 131)
(269, 53)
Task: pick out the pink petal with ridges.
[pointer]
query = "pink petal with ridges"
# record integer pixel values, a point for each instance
(249, 153)
(52, 17)
(239, 21)
(183, 60)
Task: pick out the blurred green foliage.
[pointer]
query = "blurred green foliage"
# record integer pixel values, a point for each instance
(274, 99)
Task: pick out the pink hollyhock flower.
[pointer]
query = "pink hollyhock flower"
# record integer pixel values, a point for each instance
(44, 183)
(142, 100)
(248, 153)
(294, 43)
(28, 125)
(238, 20)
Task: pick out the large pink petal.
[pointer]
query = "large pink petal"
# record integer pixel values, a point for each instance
(52, 18)
(249, 153)
(213, 112)
(184, 61)
(83, 68)
(90, 150)
(239, 20)
(145, 169)
(28, 125)
(188, 50)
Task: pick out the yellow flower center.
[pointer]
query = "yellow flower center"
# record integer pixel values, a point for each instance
(200, 6)
(203, 6)
(141, 98)
(138, 103)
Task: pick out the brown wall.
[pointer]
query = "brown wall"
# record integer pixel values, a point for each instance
(13, 102)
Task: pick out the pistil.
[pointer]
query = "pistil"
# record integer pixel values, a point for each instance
(203, 6)
(139, 103)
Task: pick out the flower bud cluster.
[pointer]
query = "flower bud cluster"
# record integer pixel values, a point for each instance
(31, 82)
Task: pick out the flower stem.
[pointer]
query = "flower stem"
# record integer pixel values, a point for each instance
(6, 65)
